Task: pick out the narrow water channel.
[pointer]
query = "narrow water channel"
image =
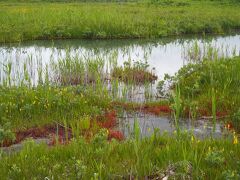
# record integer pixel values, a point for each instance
(166, 55)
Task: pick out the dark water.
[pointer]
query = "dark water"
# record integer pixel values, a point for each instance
(165, 124)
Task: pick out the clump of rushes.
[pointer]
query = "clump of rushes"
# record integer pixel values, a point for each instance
(77, 71)
(134, 73)
(211, 84)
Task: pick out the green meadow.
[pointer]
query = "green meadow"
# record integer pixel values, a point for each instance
(101, 20)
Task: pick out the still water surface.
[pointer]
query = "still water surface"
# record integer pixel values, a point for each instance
(166, 55)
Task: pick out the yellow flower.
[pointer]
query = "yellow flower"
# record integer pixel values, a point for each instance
(149, 129)
(209, 149)
(235, 139)
(192, 138)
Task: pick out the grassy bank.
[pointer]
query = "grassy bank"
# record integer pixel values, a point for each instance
(42, 20)
(179, 157)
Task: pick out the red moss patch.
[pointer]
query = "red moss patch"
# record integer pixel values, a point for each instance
(114, 134)
(108, 121)
(39, 132)
(206, 112)
(157, 110)
(152, 109)
(57, 134)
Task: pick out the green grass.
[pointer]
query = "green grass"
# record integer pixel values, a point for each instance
(185, 155)
(211, 80)
(208, 85)
(25, 107)
(42, 20)
(134, 72)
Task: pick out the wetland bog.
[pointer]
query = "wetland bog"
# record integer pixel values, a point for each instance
(80, 101)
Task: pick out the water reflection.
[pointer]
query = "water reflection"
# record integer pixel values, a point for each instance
(165, 55)
(148, 123)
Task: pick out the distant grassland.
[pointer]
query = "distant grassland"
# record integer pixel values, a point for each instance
(43, 20)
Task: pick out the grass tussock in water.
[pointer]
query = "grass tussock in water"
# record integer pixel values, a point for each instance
(78, 71)
(207, 86)
(134, 72)
(42, 20)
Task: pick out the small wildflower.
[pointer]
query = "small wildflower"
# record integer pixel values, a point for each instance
(209, 149)
(235, 139)
(192, 138)
(149, 129)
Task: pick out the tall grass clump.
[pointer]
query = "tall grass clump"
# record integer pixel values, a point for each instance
(210, 80)
(77, 71)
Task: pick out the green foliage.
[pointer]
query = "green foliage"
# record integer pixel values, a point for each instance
(231, 174)
(177, 104)
(42, 20)
(157, 156)
(5, 133)
(77, 71)
(26, 107)
(215, 157)
(236, 120)
(215, 80)
(134, 72)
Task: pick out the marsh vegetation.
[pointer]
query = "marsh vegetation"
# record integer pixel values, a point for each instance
(119, 109)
